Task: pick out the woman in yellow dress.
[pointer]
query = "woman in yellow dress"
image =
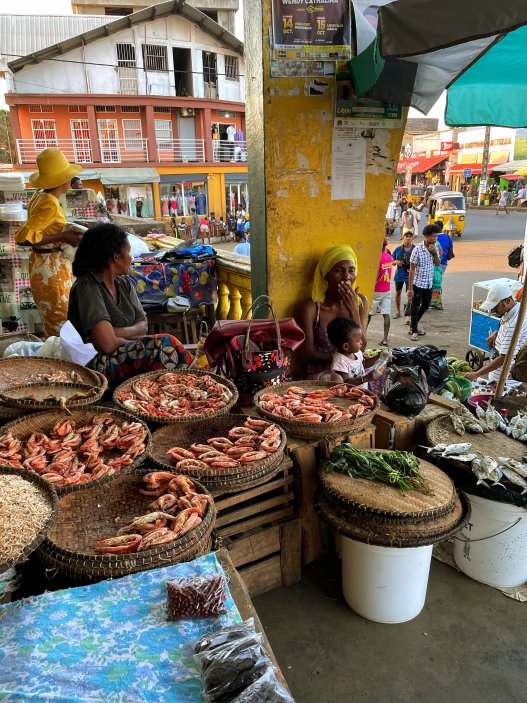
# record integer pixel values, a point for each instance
(49, 270)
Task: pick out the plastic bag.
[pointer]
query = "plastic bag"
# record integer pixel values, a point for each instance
(266, 689)
(226, 635)
(406, 390)
(196, 597)
(229, 669)
(427, 357)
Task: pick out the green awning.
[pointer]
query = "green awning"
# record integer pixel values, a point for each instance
(124, 176)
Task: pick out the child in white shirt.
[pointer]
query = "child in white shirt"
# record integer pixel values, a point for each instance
(348, 361)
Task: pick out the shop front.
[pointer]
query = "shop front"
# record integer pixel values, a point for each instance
(236, 192)
(179, 193)
(129, 191)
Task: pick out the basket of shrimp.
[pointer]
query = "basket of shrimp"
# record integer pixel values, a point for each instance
(226, 453)
(72, 451)
(142, 520)
(317, 409)
(176, 396)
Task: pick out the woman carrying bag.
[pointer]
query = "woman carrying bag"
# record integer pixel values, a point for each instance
(49, 270)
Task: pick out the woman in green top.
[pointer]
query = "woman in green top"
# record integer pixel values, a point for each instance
(105, 310)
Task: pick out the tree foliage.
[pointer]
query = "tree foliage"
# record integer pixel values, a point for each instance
(7, 143)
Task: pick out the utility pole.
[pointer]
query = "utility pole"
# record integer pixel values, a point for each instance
(484, 167)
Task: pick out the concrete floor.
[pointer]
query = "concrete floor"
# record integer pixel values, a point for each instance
(468, 645)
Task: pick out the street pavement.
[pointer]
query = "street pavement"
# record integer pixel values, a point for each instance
(480, 255)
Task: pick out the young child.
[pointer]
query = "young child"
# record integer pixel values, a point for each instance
(348, 361)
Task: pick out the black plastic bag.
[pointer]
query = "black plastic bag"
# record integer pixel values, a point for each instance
(427, 357)
(406, 390)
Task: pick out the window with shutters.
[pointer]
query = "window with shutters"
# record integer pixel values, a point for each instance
(77, 108)
(231, 68)
(41, 108)
(44, 133)
(133, 135)
(164, 133)
(155, 57)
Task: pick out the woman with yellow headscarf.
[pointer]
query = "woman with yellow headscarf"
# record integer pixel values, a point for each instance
(333, 295)
(49, 269)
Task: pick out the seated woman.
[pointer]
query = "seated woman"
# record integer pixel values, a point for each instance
(105, 310)
(333, 295)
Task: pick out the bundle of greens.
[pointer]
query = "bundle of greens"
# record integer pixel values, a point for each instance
(399, 469)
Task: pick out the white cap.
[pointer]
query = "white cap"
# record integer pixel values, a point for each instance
(495, 295)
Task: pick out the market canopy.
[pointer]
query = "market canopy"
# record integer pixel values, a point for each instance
(427, 46)
(123, 176)
(420, 165)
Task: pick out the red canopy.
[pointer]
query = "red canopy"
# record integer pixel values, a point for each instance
(420, 165)
(475, 168)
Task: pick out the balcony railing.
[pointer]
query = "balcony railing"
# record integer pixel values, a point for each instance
(223, 150)
(182, 150)
(234, 287)
(112, 151)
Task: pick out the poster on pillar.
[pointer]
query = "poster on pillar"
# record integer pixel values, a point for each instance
(348, 164)
(309, 29)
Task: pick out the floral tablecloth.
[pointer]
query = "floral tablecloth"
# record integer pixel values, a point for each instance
(154, 282)
(109, 642)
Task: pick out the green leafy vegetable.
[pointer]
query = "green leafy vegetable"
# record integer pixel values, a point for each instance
(399, 469)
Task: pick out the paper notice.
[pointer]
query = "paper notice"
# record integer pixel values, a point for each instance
(348, 164)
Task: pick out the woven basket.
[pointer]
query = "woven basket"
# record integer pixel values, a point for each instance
(7, 413)
(370, 531)
(126, 387)
(43, 422)
(21, 371)
(316, 430)
(384, 503)
(85, 518)
(47, 490)
(35, 396)
(183, 435)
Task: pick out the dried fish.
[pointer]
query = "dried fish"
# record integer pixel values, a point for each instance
(464, 457)
(460, 448)
(458, 424)
(516, 466)
(515, 478)
(479, 473)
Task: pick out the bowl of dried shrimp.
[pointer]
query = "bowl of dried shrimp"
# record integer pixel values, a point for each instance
(28, 506)
(142, 520)
(76, 450)
(176, 396)
(317, 409)
(223, 452)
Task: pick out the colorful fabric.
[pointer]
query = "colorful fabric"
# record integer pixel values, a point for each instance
(437, 282)
(51, 280)
(329, 258)
(384, 274)
(44, 219)
(156, 282)
(151, 353)
(16, 298)
(106, 643)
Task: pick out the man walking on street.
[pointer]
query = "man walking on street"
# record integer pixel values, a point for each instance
(502, 202)
(421, 278)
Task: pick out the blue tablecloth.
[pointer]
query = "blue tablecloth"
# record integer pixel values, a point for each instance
(154, 282)
(105, 643)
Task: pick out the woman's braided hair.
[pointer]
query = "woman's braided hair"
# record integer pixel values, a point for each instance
(97, 248)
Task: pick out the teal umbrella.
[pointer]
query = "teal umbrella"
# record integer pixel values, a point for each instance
(493, 90)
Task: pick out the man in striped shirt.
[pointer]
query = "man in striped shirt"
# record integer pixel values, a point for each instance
(500, 301)
(421, 278)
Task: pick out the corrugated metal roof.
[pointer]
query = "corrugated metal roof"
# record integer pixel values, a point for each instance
(21, 35)
(164, 9)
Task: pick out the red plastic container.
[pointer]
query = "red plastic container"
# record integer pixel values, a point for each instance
(476, 400)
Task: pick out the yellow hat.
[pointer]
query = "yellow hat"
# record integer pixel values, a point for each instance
(53, 170)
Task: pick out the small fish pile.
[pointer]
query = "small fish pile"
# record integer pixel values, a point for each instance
(517, 427)
(317, 406)
(174, 395)
(70, 455)
(253, 441)
(484, 467)
(486, 420)
(177, 509)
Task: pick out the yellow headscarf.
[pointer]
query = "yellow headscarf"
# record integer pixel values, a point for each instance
(341, 252)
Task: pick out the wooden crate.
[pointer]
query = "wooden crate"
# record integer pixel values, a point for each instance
(307, 455)
(395, 431)
(259, 528)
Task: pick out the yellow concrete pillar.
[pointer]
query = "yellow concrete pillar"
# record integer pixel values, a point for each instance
(157, 201)
(293, 218)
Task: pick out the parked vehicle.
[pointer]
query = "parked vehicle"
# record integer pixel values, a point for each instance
(449, 207)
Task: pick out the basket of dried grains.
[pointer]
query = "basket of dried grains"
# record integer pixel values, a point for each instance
(176, 396)
(28, 505)
(142, 520)
(226, 452)
(72, 451)
(317, 409)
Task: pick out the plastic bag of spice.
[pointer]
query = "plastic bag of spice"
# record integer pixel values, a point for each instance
(226, 635)
(228, 669)
(197, 597)
(266, 689)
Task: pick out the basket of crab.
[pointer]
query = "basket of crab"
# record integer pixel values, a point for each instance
(176, 396)
(225, 453)
(317, 409)
(74, 451)
(142, 520)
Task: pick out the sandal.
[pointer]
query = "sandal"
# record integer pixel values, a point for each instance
(397, 316)
(421, 333)
(414, 336)
(383, 343)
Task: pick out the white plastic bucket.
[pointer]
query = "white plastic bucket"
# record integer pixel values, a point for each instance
(492, 548)
(385, 584)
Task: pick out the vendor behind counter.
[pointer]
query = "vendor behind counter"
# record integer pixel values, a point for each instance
(105, 310)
